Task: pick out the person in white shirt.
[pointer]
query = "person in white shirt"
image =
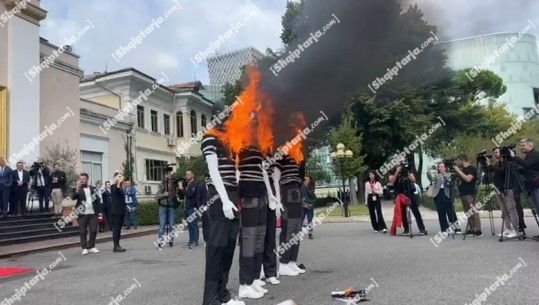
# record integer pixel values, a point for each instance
(373, 199)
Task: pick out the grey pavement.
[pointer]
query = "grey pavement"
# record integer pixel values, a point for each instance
(405, 270)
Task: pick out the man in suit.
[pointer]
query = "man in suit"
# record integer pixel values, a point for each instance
(6, 179)
(19, 190)
(118, 210)
(202, 200)
(86, 195)
(190, 208)
(106, 195)
(41, 182)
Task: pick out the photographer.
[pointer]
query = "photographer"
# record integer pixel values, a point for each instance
(466, 186)
(530, 163)
(443, 198)
(41, 179)
(167, 198)
(403, 179)
(507, 186)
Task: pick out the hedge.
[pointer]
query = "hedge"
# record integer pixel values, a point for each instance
(323, 201)
(428, 202)
(148, 213)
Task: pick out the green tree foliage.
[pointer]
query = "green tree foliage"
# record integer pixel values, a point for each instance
(290, 20)
(315, 169)
(230, 91)
(346, 133)
(197, 164)
(128, 166)
(67, 159)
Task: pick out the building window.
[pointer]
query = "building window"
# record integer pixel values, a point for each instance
(92, 164)
(193, 122)
(154, 170)
(166, 122)
(153, 120)
(179, 124)
(140, 117)
(203, 121)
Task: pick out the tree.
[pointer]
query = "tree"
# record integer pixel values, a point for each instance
(347, 134)
(197, 164)
(230, 91)
(128, 166)
(67, 159)
(291, 19)
(315, 169)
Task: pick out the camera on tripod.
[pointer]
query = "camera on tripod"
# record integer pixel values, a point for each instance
(36, 166)
(405, 169)
(505, 151)
(449, 164)
(482, 158)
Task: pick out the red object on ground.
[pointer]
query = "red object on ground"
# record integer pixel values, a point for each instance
(13, 271)
(278, 222)
(397, 212)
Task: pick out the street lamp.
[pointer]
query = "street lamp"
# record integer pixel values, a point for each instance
(340, 155)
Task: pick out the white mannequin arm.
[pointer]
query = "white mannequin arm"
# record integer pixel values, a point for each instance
(272, 201)
(213, 169)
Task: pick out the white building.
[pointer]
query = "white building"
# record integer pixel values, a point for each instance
(518, 66)
(227, 68)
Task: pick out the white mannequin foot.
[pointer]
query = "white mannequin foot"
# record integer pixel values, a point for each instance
(234, 302)
(259, 282)
(295, 267)
(284, 269)
(259, 288)
(247, 292)
(272, 280)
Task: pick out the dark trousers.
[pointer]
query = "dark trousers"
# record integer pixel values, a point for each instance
(309, 213)
(252, 235)
(4, 199)
(290, 222)
(205, 229)
(415, 210)
(269, 258)
(445, 210)
(375, 211)
(107, 213)
(87, 223)
(222, 234)
(117, 222)
(520, 212)
(42, 197)
(192, 226)
(18, 201)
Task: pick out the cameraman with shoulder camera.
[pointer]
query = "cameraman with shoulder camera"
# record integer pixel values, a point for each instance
(403, 179)
(466, 186)
(41, 179)
(530, 163)
(506, 184)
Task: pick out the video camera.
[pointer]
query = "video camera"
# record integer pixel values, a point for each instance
(505, 151)
(36, 166)
(482, 157)
(449, 164)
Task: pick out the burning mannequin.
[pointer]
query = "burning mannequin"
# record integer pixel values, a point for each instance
(223, 219)
(255, 194)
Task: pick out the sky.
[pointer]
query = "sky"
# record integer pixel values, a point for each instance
(195, 24)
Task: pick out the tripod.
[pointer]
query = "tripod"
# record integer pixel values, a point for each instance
(512, 172)
(483, 172)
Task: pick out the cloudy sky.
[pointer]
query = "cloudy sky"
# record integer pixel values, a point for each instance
(198, 23)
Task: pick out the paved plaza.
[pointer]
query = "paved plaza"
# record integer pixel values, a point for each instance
(396, 270)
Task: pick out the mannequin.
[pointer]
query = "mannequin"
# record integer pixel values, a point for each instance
(287, 181)
(223, 220)
(269, 260)
(254, 198)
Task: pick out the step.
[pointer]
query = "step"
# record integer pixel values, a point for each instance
(28, 216)
(28, 233)
(29, 239)
(31, 226)
(15, 223)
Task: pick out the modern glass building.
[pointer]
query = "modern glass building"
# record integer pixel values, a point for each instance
(227, 68)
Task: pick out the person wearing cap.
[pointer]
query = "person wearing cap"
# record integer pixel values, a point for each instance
(167, 199)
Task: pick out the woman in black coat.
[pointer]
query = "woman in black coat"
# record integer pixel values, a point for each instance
(118, 211)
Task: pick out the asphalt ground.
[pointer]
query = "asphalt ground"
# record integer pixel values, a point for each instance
(395, 270)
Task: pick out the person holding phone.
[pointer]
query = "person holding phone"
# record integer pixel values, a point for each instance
(118, 211)
(86, 195)
(373, 194)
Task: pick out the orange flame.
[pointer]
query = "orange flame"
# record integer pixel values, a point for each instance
(249, 124)
(297, 123)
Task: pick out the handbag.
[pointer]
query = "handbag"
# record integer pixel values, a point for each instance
(430, 191)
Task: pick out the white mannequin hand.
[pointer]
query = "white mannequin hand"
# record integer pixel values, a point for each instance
(273, 201)
(228, 208)
(279, 208)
